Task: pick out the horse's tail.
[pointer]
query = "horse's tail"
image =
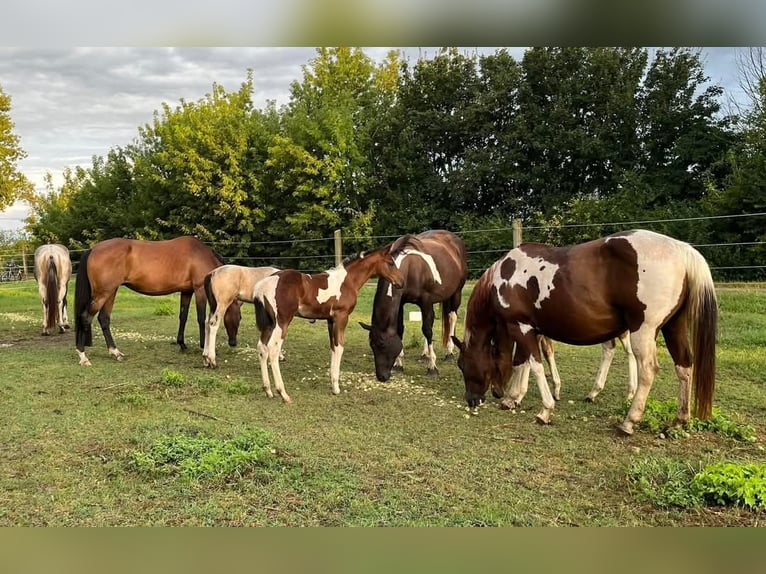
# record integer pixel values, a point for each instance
(51, 294)
(446, 308)
(264, 312)
(209, 292)
(82, 296)
(703, 323)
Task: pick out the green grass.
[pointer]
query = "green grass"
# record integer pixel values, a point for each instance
(401, 453)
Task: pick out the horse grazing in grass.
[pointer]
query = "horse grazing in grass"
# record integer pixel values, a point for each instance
(434, 273)
(637, 281)
(53, 269)
(149, 268)
(330, 296)
(607, 354)
(224, 286)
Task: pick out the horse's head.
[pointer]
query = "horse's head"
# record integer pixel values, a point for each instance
(386, 346)
(231, 321)
(479, 371)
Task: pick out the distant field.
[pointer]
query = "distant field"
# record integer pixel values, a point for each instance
(79, 446)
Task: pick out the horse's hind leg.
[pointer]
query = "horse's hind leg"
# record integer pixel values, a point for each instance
(645, 349)
(607, 354)
(676, 336)
(104, 319)
(211, 332)
(428, 333)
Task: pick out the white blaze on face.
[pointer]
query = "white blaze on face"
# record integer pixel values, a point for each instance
(661, 272)
(335, 278)
(526, 267)
(525, 328)
(425, 256)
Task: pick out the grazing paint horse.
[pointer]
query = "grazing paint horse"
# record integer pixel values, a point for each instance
(149, 268)
(330, 296)
(435, 273)
(607, 354)
(638, 281)
(226, 285)
(53, 269)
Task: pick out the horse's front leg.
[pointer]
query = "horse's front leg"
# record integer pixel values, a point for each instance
(183, 313)
(211, 333)
(336, 328)
(527, 344)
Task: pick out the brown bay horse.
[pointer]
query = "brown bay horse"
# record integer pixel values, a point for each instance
(330, 296)
(637, 281)
(53, 269)
(434, 273)
(224, 286)
(149, 268)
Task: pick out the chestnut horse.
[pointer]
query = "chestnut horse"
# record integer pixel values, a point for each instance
(330, 296)
(53, 269)
(149, 268)
(224, 286)
(637, 281)
(435, 273)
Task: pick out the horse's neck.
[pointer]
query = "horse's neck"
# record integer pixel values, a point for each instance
(385, 307)
(360, 270)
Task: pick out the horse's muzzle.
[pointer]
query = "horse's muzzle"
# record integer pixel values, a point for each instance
(383, 377)
(473, 399)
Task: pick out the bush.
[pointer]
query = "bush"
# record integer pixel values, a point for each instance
(727, 483)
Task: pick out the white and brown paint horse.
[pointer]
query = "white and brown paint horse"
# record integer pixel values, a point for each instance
(435, 273)
(224, 286)
(330, 296)
(53, 269)
(639, 281)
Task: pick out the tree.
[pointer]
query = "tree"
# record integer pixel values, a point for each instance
(13, 183)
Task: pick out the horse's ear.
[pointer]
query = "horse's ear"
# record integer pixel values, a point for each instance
(365, 326)
(458, 343)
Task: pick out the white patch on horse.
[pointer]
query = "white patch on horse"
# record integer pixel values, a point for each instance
(525, 328)
(266, 290)
(526, 267)
(426, 257)
(661, 272)
(335, 278)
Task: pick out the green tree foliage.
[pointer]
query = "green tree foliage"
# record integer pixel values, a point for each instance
(13, 183)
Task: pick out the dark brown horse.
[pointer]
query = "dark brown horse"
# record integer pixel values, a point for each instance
(435, 273)
(330, 296)
(636, 281)
(149, 268)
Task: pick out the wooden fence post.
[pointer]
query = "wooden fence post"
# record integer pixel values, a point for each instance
(338, 247)
(516, 232)
(24, 259)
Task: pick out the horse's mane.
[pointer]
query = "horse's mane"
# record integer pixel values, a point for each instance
(479, 305)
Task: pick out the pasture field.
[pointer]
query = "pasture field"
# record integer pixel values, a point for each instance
(86, 446)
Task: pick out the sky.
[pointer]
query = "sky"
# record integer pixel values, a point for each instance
(71, 104)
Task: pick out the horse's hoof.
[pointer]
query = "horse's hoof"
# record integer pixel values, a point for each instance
(625, 428)
(543, 418)
(397, 369)
(61, 330)
(449, 358)
(287, 400)
(45, 334)
(433, 372)
(508, 404)
(66, 327)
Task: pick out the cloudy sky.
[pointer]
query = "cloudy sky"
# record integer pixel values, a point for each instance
(71, 104)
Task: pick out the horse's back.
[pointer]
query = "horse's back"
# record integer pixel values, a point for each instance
(439, 267)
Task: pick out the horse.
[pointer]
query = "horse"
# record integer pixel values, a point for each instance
(149, 268)
(607, 354)
(435, 273)
(224, 286)
(53, 269)
(637, 281)
(330, 296)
